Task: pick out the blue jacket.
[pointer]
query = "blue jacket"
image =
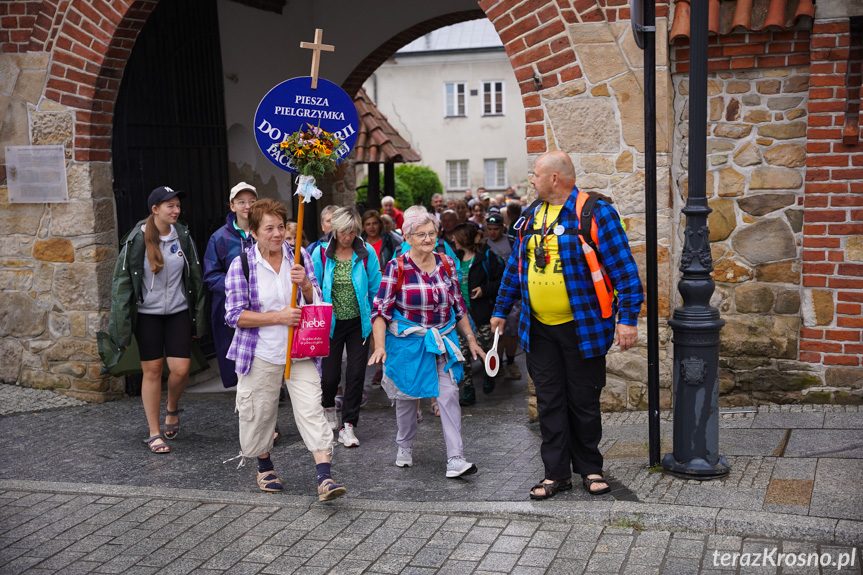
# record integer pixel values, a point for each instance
(412, 358)
(595, 333)
(224, 245)
(365, 274)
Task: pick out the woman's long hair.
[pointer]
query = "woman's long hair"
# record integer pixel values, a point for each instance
(151, 242)
(467, 235)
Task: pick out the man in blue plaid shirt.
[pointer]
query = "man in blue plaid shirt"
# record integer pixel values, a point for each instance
(561, 324)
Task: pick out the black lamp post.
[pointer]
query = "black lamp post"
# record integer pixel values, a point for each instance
(696, 323)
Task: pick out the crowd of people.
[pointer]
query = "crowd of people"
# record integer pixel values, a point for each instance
(420, 292)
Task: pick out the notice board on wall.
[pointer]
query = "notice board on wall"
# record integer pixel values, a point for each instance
(36, 174)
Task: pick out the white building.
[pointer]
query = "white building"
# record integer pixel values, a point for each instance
(453, 95)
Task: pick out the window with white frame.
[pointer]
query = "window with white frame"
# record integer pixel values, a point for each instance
(456, 175)
(492, 98)
(495, 174)
(455, 99)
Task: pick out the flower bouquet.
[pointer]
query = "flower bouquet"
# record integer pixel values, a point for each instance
(312, 152)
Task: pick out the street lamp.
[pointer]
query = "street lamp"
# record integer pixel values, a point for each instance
(696, 324)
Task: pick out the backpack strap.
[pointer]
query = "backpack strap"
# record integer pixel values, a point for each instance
(585, 222)
(244, 259)
(400, 267)
(400, 272)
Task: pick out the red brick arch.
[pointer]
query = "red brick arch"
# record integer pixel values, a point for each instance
(91, 41)
(91, 45)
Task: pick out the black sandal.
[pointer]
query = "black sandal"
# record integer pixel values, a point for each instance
(172, 429)
(551, 489)
(587, 482)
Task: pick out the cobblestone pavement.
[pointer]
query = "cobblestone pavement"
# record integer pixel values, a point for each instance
(97, 530)
(80, 493)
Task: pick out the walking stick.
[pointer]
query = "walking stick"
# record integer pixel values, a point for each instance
(301, 208)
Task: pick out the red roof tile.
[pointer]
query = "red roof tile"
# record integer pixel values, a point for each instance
(731, 16)
(378, 141)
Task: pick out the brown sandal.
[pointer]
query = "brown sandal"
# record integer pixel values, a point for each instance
(329, 490)
(587, 481)
(157, 447)
(268, 481)
(551, 489)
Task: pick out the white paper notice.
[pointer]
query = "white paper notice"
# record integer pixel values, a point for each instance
(36, 174)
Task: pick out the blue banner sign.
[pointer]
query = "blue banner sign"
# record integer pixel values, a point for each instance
(291, 105)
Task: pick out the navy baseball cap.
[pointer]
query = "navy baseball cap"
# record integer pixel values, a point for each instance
(163, 194)
(494, 219)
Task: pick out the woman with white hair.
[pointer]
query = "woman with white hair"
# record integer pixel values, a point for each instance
(350, 275)
(416, 311)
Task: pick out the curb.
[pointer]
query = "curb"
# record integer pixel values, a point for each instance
(706, 520)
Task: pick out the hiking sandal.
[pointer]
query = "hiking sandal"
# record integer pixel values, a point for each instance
(172, 429)
(268, 481)
(329, 490)
(157, 447)
(587, 481)
(550, 489)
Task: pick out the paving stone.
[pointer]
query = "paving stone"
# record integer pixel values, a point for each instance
(834, 443)
(430, 557)
(498, 562)
(602, 562)
(536, 557)
(809, 420)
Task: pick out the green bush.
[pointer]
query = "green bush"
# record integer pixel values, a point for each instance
(422, 182)
(414, 185)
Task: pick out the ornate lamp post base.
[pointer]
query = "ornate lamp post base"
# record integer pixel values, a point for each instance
(698, 469)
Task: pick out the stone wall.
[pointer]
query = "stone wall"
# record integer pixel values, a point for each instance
(755, 186)
(57, 259)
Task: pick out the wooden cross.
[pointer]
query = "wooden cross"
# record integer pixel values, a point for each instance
(316, 46)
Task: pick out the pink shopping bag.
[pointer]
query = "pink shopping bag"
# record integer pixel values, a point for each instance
(312, 336)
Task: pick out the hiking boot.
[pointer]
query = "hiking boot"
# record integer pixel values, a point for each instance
(404, 458)
(332, 417)
(457, 466)
(512, 372)
(488, 385)
(347, 437)
(468, 396)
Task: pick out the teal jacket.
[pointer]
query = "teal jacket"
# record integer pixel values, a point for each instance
(412, 357)
(365, 275)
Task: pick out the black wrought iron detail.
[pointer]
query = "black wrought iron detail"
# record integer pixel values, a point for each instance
(693, 370)
(701, 239)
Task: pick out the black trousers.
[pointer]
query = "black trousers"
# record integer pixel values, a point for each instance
(347, 333)
(567, 398)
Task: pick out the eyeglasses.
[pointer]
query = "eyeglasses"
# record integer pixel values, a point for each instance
(244, 203)
(425, 236)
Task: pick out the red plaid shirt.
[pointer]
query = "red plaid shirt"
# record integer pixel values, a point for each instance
(425, 299)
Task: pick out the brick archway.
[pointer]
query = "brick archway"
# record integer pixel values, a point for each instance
(91, 46)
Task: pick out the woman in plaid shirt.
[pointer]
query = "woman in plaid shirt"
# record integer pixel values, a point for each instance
(257, 305)
(415, 314)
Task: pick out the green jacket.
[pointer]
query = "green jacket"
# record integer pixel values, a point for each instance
(127, 291)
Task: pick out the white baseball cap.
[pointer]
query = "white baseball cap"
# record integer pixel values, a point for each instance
(242, 187)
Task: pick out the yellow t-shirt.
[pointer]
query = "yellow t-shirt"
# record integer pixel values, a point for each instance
(549, 302)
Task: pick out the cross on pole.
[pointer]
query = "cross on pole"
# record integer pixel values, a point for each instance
(316, 47)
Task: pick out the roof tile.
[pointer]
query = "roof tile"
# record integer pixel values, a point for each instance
(733, 16)
(377, 140)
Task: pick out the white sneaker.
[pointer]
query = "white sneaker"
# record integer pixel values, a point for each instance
(404, 458)
(332, 417)
(347, 437)
(457, 466)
